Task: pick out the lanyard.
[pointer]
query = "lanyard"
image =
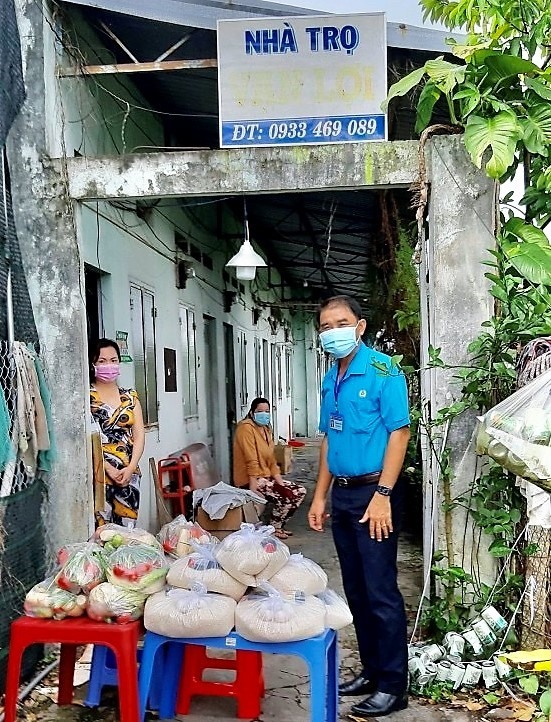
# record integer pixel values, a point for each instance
(336, 389)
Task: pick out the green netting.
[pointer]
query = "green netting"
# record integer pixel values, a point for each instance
(22, 561)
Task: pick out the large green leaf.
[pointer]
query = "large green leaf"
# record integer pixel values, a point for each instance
(403, 86)
(425, 104)
(505, 66)
(444, 74)
(525, 231)
(537, 129)
(531, 260)
(539, 87)
(499, 134)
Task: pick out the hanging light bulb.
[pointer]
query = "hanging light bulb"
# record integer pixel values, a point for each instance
(246, 260)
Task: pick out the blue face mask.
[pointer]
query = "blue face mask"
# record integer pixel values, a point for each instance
(339, 342)
(262, 418)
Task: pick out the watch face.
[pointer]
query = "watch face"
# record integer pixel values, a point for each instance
(384, 490)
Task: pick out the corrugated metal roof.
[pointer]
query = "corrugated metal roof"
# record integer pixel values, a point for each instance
(206, 13)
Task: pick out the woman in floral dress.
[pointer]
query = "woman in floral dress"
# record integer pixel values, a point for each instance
(119, 415)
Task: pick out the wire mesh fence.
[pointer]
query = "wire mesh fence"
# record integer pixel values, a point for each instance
(22, 531)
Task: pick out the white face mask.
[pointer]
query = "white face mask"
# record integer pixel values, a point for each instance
(340, 342)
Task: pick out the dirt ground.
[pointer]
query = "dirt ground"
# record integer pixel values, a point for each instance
(287, 688)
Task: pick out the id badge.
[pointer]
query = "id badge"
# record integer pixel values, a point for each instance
(336, 422)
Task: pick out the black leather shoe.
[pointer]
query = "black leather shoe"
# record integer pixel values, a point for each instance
(357, 686)
(379, 704)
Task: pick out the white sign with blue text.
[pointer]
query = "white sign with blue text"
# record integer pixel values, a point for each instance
(300, 80)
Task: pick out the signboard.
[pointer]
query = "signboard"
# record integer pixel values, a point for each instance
(299, 80)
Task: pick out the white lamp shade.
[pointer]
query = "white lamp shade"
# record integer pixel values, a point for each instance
(246, 256)
(245, 273)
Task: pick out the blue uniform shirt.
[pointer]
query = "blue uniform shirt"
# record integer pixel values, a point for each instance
(371, 404)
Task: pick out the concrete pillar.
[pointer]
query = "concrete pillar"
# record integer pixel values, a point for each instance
(454, 303)
(47, 236)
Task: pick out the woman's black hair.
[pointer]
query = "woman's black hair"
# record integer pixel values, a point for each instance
(255, 404)
(95, 351)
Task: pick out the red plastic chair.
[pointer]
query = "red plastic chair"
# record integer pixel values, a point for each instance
(71, 633)
(247, 688)
(175, 479)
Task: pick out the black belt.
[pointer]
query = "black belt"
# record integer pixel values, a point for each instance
(362, 480)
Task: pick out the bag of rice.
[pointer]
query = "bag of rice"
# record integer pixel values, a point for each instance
(299, 573)
(265, 615)
(190, 613)
(252, 554)
(83, 570)
(202, 566)
(46, 600)
(113, 536)
(337, 611)
(176, 536)
(140, 568)
(108, 603)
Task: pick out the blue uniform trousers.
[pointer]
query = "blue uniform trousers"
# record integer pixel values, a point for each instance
(369, 574)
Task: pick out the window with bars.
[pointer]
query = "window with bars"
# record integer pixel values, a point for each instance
(142, 314)
(279, 375)
(243, 381)
(288, 371)
(188, 337)
(258, 366)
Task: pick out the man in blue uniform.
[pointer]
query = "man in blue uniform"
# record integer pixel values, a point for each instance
(365, 419)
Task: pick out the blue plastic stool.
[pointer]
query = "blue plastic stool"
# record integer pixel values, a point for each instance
(103, 673)
(320, 653)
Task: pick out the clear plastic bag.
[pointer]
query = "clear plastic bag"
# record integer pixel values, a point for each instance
(517, 432)
(190, 613)
(108, 603)
(48, 601)
(337, 611)
(300, 573)
(266, 615)
(202, 566)
(252, 554)
(177, 536)
(139, 567)
(113, 536)
(83, 570)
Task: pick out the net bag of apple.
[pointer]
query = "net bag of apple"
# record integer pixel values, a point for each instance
(84, 569)
(48, 601)
(140, 568)
(301, 573)
(176, 536)
(202, 566)
(108, 603)
(517, 432)
(113, 536)
(337, 611)
(190, 613)
(266, 615)
(64, 552)
(252, 554)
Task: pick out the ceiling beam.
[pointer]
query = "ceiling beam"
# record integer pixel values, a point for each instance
(151, 67)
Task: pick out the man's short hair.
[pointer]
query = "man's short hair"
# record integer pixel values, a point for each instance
(343, 300)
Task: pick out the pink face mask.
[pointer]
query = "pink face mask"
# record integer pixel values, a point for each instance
(107, 372)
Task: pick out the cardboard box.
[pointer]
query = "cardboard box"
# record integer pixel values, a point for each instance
(284, 457)
(231, 521)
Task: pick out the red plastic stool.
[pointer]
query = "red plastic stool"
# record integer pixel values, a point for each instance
(247, 688)
(71, 633)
